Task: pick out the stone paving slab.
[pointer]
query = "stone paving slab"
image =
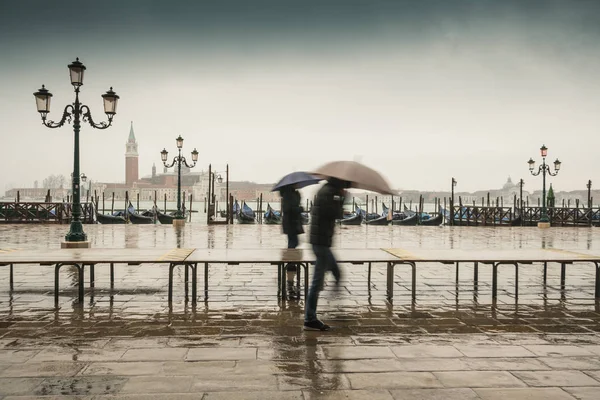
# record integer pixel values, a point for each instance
(523, 394)
(473, 379)
(583, 393)
(434, 394)
(556, 378)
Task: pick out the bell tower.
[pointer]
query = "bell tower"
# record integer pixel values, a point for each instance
(131, 159)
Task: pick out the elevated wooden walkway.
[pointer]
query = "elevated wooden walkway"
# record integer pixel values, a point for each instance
(190, 258)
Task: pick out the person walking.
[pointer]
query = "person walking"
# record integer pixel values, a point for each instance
(327, 208)
(292, 227)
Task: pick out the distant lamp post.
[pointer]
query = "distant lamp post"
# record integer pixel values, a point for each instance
(179, 160)
(77, 112)
(544, 169)
(452, 202)
(589, 188)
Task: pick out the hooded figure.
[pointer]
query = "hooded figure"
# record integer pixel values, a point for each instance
(327, 208)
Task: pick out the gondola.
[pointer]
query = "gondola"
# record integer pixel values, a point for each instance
(434, 221)
(164, 218)
(109, 219)
(408, 221)
(364, 215)
(246, 215)
(136, 218)
(382, 219)
(355, 219)
(271, 216)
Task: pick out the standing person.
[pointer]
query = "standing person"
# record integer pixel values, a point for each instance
(327, 208)
(292, 227)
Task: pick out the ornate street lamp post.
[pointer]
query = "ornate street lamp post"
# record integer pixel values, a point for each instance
(179, 160)
(77, 112)
(544, 169)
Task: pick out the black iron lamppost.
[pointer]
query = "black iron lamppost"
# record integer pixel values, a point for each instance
(77, 112)
(179, 160)
(589, 188)
(544, 169)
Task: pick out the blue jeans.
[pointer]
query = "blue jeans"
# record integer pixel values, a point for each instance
(292, 244)
(325, 262)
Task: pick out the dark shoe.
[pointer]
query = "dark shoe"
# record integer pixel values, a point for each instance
(316, 325)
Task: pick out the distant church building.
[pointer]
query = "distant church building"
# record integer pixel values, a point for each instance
(131, 159)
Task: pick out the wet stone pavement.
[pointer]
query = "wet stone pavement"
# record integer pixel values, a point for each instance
(242, 343)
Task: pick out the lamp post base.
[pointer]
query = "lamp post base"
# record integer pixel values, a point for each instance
(543, 225)
(75, 245)
(179, 222)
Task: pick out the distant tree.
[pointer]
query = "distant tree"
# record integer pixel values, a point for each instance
(54, 182)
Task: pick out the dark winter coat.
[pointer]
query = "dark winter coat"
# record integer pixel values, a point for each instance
(291, 210)
(326, 209)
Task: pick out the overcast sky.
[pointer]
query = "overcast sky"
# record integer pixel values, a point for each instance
(420, 90)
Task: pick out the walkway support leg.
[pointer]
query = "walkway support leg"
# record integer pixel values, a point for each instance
(390, 281)
(563, 273)
(56, 284)
(414, 281)
(12, 282)
(92, 275)
(369, 277)
(80, 269)
(495, 280)
(186, 280)
(205, 280)
(194, 282)
(170, 297)
(281, 267)
(457, 264)
(597, 292)
(475, 275)
(305, 281)
(516, 280)
(112, 275)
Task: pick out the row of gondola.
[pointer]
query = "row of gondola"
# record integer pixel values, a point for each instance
(357, 217)
(130, 215)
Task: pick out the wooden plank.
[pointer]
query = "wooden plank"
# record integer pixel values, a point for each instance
(95, 256)
(517, 255)
(239, 256)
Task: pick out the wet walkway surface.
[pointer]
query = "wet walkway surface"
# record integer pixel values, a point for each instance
(242, 343)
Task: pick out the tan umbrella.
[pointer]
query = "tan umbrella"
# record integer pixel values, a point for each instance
(361, 176)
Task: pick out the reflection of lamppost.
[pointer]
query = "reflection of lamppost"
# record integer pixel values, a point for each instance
(589, 188)
(452, 202)
(76, 111)
(164, 154)
(544, 169)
